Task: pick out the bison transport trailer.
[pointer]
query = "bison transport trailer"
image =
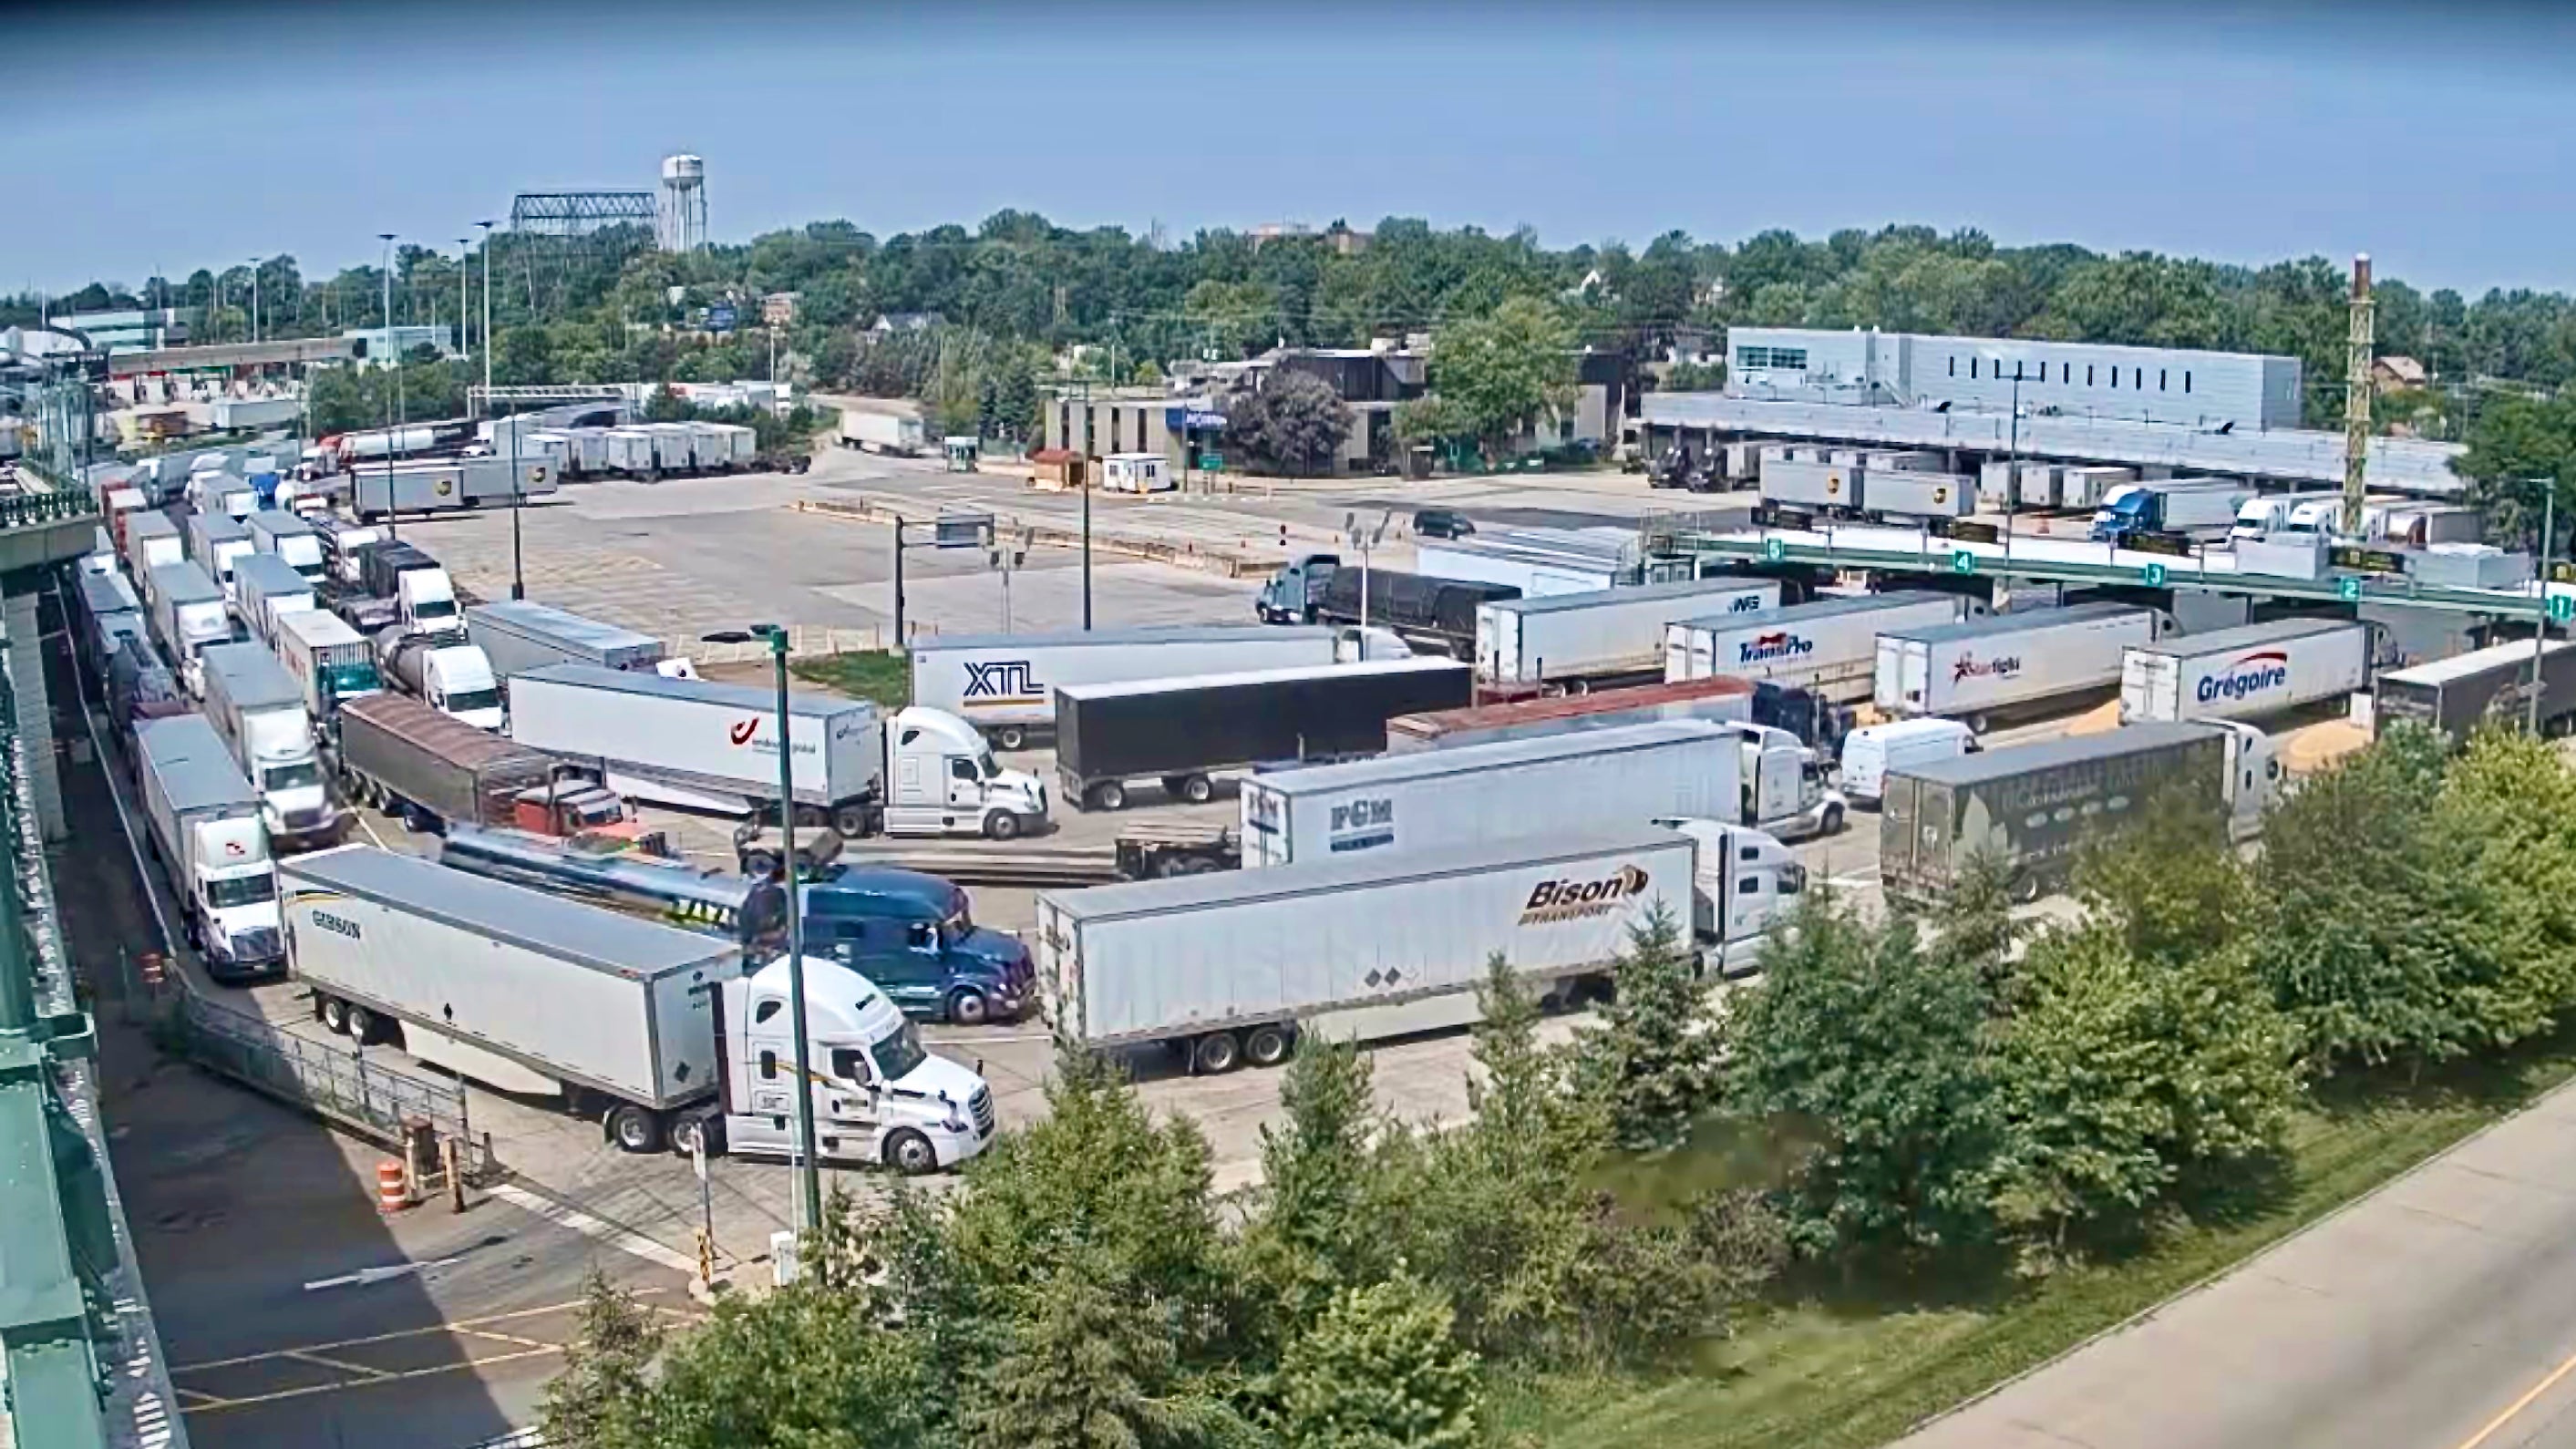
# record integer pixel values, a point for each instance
(1603, 633)
(1978, 669)
(2245, 673)
(1230, 966)
(1182, 731)
(2455, 696)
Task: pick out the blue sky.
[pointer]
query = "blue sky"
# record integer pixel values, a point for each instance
(2440, 138)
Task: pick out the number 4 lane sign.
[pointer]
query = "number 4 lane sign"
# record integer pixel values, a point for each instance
(1962, 561)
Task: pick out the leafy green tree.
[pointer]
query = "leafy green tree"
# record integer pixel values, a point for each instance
(1654, 1056)
(2510, 801)
(1238, 317)
(2170, 881)
(1380, 1370)
(810, 1365)
(1295, 423)
(598, 1399)
(1504, 371)
(1695, 377)
(1327, 1195)
(1084, 1369)
(2370, 934)
(2120, 1075)
(2522, 449)
(1874, 1048)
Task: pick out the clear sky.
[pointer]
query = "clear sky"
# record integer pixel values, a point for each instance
(2437, 137)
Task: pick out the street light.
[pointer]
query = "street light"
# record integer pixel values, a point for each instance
(810, 1180)
(254, 299)
(487, 308)
(393, 519)
(2012, 485)
(464, 318)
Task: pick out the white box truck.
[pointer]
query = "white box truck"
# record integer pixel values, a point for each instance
(266, 588)
(1595, 780)
(207, 835)
(517, 636)
(2260, 669)
(1230, 966)
(1004, 684)
(289, 536)
(1601, 634)
(188, 614)
(152, 541)
(1829, 646)
(707, 746)
(901, 434)
(1980, 670)
(216, 542)
(661, 1032)
(330, 662)
(258, 709)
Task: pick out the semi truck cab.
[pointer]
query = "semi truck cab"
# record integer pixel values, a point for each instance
(286, 770)
(1292, 593)
(427, 601)
(879, 1095)
(946, 782)
(232, 912)
(1745, 882)
(1784, 785)
(914, 936)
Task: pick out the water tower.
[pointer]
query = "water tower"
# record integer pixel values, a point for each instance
(684, 203)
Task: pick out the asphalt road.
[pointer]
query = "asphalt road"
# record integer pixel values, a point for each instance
(2437, 1313)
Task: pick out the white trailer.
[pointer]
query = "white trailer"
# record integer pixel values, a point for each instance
(633, 452)
(1604, 632)
(188, 614)
(2085, 486)
(1004, 684)
(152, 541)
(517, 636)
(265, 588)
(1907, 493)
(2247, 673)
(1230, 966)
(330, 662)
(1995, 493)
(290, 537)
(1594, 780)
(2037, 484)
(902, 434)
(206, 831)
(661, 1031)
(1980, 668)
(1812, 486)
(1830, 646)
(707, 746)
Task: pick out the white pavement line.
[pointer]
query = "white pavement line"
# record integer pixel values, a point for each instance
(365, 1276)
(622, 1239)
(368, 826)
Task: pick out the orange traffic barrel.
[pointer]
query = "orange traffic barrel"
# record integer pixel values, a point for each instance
(392, 1194)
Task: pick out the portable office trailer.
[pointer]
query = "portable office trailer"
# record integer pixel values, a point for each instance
(1978, 668)
(1603, 632)
(1602, 779)
(1231, 966)
(2456, 696)
(2245, 673)
(1830, 646)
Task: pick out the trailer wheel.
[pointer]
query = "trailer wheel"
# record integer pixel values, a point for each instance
(910, 1153)
(634, 1129)
(1268, 1046)
(1215, 1054)
(691, 1131)
(1011, 737)
(1002, 825)
(855, 822)
(335, 1015)
(1197, 789)
(1109, 795)
(362, 1025)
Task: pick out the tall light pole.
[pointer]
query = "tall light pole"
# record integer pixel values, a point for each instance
(393, 519)
(487, 309)
(254, 299)
(2012, 481)
(809, 1177)
(2540, 625)
(464, 323)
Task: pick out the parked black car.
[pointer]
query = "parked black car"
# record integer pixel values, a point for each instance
(1441, 523)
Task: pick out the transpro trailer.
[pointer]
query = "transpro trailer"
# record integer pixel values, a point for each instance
(1830, 646)
(1602, 634)
(1230, 966)
(2260, 669)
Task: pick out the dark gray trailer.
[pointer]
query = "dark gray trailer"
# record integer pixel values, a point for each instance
(2454, 696)
(1182, 730)
(2032, 807)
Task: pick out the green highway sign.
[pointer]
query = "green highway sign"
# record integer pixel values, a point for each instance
(2562, 607)
(2348, 589)
(1210, 462)
(1775, 549)
(2155, 574)
(1962, 561)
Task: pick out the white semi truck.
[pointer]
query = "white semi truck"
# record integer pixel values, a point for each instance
(1004, 684)
(707, 746)
(1601, 635)
(188, 615)
(663, 1033)
(1596, 780)
(449, 675)
(901, 434)
(258, 709)
(207, 834)
(1230, 967)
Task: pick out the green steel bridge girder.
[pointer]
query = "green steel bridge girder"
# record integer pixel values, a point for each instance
(2181, 573)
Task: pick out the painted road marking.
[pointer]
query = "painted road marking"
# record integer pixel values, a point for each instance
(219, 1405)
(342, 1365)
(2566, 1367)
(366, 1276)
(623, 1239)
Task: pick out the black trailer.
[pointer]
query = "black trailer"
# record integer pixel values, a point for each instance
(381, 568)
(1417, 606)
(2455, 696)
(1182, 730)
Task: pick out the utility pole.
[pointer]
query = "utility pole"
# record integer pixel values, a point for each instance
(464, 323)
(2356, 399)
(487, 307)
(254, 299)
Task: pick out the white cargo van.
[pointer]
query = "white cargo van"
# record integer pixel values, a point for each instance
(1871, 751)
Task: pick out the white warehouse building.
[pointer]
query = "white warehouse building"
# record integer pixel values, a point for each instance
(2079, 379)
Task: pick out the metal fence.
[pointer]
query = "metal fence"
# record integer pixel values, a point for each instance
(333, 1081)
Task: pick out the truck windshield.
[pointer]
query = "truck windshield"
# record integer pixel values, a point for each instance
(434, 609)
(464, 700)
(243, 890)
(897, 1052)
(354, 681)
(991, 770)
(295, 776)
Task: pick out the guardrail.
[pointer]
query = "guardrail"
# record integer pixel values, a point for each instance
(339, 1084)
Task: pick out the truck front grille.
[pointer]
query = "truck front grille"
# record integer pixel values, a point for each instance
(981, 1104)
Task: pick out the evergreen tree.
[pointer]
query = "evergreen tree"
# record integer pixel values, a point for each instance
(1380, 1370)
(1653, 1059)
(1322, 1222)
(597, 1399)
